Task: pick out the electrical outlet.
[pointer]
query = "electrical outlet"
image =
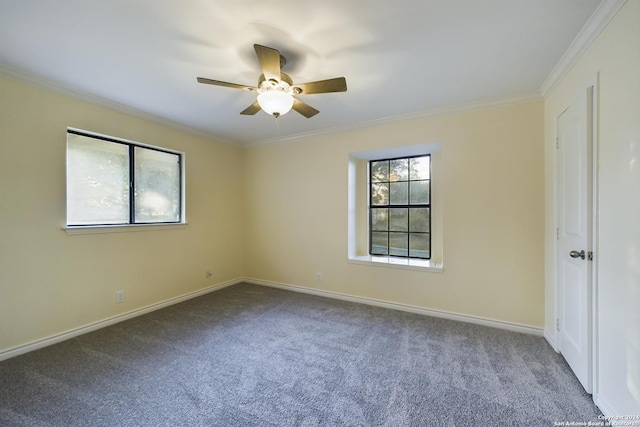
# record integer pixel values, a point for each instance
(208, 273)
(119, 297)
(319, 277)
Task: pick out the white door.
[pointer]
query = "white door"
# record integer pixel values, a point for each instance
(574, 235)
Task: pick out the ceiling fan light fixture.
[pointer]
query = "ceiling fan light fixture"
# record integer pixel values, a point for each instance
(276, 90)
(275, 102)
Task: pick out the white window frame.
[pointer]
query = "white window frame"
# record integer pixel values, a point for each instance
(111, 228)
(358, 218)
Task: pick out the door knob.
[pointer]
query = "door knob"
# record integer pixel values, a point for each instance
(576, 254)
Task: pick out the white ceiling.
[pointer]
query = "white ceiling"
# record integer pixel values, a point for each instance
(400, 57)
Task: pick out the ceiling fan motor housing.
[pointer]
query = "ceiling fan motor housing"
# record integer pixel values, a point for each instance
(276, 90)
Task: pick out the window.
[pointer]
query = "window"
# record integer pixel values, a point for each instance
(117, 182)
(359, 182)
(400, 207)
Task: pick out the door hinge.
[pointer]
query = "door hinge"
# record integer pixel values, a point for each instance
(558, 233)
(558, 325)
(557, 142)
(590, 256)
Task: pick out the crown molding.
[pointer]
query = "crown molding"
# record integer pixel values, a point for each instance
(440, 111)
(72, 92)
(587, 35)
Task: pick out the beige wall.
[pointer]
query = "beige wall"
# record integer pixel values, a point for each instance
(281, 219)
(493, 208)
(51, 282)
(615, 56)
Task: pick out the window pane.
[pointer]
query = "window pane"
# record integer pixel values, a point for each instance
(419, 192)
(420, 167)
(380, 171)
(399, 193)
(400, 207)
(97, 181)
(419, 219)
(399, 170)
(157, 186)
(398, 219)
(398, 244)
(379, 194)
(379, 219)
(379, 243)
(419, 245)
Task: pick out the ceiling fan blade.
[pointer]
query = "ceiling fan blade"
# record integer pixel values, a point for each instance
(269, 61)
(225, 84)
(339, 84)
(251, 109)
(304, 109)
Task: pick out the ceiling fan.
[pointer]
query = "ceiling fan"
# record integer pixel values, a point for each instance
(276, 89)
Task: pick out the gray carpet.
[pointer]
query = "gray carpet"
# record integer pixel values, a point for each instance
(254, 356)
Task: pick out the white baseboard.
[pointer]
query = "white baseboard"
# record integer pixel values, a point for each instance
(63, 336)
(53, 339)
(551, 339)
(604, 406)
(516, 327)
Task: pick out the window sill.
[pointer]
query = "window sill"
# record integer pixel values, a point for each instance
(97, 229)
(426, 265)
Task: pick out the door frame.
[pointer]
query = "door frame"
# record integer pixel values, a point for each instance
(593, 285)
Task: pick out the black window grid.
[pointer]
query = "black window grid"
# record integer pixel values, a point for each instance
(408, 206)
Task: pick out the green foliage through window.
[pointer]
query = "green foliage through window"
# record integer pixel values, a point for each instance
(400, 207)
